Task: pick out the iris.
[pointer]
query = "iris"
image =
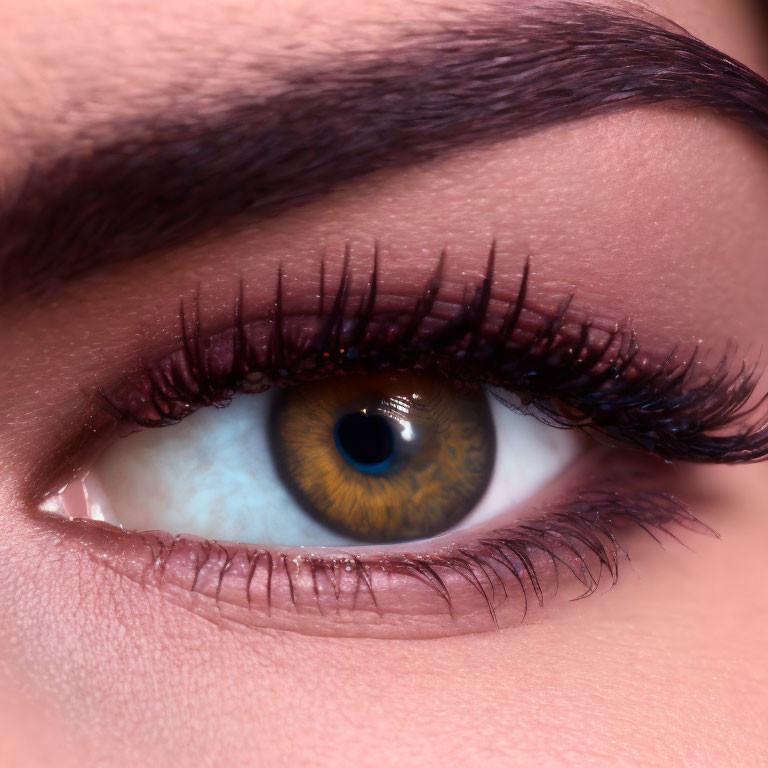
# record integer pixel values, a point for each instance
(384, 458)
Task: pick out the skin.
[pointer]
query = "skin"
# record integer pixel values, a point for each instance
(653, 214)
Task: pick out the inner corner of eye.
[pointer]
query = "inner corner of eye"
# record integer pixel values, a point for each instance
(361, 459)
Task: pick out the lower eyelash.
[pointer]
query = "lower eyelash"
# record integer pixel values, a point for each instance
(512, 567)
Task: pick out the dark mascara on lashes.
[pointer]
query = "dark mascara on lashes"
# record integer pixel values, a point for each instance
(569, 373)
(580, 539)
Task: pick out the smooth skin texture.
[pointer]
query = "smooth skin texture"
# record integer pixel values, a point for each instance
(653, 213)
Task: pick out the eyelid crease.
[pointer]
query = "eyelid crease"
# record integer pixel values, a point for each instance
(567, 370)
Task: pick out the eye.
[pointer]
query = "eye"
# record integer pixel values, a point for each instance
(395, 429)
(374, 458)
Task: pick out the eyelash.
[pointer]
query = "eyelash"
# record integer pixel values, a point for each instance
(579, 538)
(568, 374)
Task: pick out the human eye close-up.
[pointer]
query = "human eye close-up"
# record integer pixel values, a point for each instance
(384, 381)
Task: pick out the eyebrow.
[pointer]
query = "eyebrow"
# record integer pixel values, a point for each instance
(160, 180)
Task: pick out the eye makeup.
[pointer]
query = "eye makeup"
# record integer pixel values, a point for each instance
(566, 369)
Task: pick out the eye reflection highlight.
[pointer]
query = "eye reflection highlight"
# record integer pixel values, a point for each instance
(385, 458)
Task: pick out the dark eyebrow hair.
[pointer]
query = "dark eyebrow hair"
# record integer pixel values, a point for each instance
(164, 179)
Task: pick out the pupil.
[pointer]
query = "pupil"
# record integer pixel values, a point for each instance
(365, 441)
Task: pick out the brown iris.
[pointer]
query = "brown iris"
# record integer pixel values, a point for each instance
(387, 457)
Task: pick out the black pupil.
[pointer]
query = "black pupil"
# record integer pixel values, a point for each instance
(365, 439)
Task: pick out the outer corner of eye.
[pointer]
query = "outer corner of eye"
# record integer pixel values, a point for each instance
(373, 459)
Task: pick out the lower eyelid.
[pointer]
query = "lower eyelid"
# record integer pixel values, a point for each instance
(446, 586)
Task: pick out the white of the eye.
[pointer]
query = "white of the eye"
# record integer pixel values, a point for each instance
(529, 454)
(213, 475)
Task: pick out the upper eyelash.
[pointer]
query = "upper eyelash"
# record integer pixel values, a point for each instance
(568, 374)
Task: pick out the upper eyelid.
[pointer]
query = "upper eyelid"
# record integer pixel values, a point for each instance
(669, 406)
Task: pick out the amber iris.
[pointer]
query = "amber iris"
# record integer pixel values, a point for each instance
(387, 457)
